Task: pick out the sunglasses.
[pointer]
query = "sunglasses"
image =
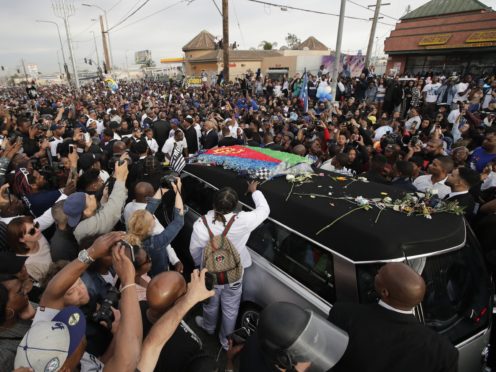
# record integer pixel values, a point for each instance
(32, 230)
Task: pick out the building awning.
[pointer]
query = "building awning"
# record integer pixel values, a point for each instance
(172, 60)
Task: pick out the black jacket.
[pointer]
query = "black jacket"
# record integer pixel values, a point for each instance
(191, 139)
(209, 140)
(161, 130)
(383, 340)
(467, 201)
(229, 141)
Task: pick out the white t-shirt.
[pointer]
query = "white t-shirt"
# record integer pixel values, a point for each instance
(53, 145)
(38, 263)
(381, 131)
(424, 183)
(431, 90)
(413, 123)
(169, 145)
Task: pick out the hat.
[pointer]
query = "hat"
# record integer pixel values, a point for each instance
(47, 344)
(175, 121)
(10, 263)
(189, 119)
(86, 160)
(74, 206)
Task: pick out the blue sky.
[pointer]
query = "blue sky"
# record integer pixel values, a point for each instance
(166, 32)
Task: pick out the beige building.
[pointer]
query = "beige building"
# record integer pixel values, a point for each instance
(204, 53)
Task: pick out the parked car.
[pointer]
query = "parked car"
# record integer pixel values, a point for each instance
(292, 263)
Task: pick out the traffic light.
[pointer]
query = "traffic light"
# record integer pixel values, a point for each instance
(85, 60)
(3, 68)
(90, 62)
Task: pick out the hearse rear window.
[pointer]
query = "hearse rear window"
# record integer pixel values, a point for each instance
(308, 263)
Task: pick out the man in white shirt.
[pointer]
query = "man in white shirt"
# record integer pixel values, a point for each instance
(177, 141)
(58, 132)
(434, 182)
(430, 95)
(94, 122)
(227, 296)
(152, 144)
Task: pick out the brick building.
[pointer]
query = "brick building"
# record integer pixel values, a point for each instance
(444, 36)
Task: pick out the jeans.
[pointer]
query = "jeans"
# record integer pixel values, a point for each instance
(228, 296)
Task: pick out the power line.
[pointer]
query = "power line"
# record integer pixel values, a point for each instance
(313, 11)
(150, 15)
(237, 22)
(117, 3)
(130, 15)
(365, 7)
(218, 9)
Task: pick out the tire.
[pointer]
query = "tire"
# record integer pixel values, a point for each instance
(248, 316)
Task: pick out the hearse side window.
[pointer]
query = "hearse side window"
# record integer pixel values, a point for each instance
(456, 302)
(308, 263)
(197, 195)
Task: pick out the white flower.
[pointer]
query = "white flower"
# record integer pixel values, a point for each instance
(414, 199)
(387, 199)
(396, 207)
(363, 179)
(361, 201)
(290, 177)
(428, 216)
(329, 193)
(433, 191)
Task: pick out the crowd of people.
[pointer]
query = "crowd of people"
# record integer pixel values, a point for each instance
(88, 209)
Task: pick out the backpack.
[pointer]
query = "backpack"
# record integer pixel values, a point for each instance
(220, 256)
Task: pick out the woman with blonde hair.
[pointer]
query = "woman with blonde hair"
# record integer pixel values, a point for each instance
(142, 223)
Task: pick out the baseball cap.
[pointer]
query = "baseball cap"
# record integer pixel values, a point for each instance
(10, 263)
(47, 344)
(86, 160)
(74, 206)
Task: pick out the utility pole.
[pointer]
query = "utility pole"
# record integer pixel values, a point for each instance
(58, 62)
(372, 30)
(335, 67)
(24, 69)
(96, 49)
(65, 10)
(225, 39)
(106, 54)
(106, 27)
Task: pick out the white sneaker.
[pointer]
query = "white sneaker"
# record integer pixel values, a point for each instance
(199, 323)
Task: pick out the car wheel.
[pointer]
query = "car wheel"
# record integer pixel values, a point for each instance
(248, 317)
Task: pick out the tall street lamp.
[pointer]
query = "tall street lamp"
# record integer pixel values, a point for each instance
(66, 69)
(106, 26)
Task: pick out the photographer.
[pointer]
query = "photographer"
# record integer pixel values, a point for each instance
(142, 224)
(87, 218)
(165, 327)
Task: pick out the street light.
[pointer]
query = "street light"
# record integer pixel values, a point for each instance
(106, 26)
(66, 69)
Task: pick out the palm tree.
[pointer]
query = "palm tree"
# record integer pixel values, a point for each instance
(267, 45)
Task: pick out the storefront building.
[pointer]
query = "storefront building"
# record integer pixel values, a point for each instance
(444, 37)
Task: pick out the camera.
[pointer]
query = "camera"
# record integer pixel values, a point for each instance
(167, 180)
(105, 313)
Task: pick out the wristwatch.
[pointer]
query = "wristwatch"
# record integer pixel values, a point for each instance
(85, 257)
